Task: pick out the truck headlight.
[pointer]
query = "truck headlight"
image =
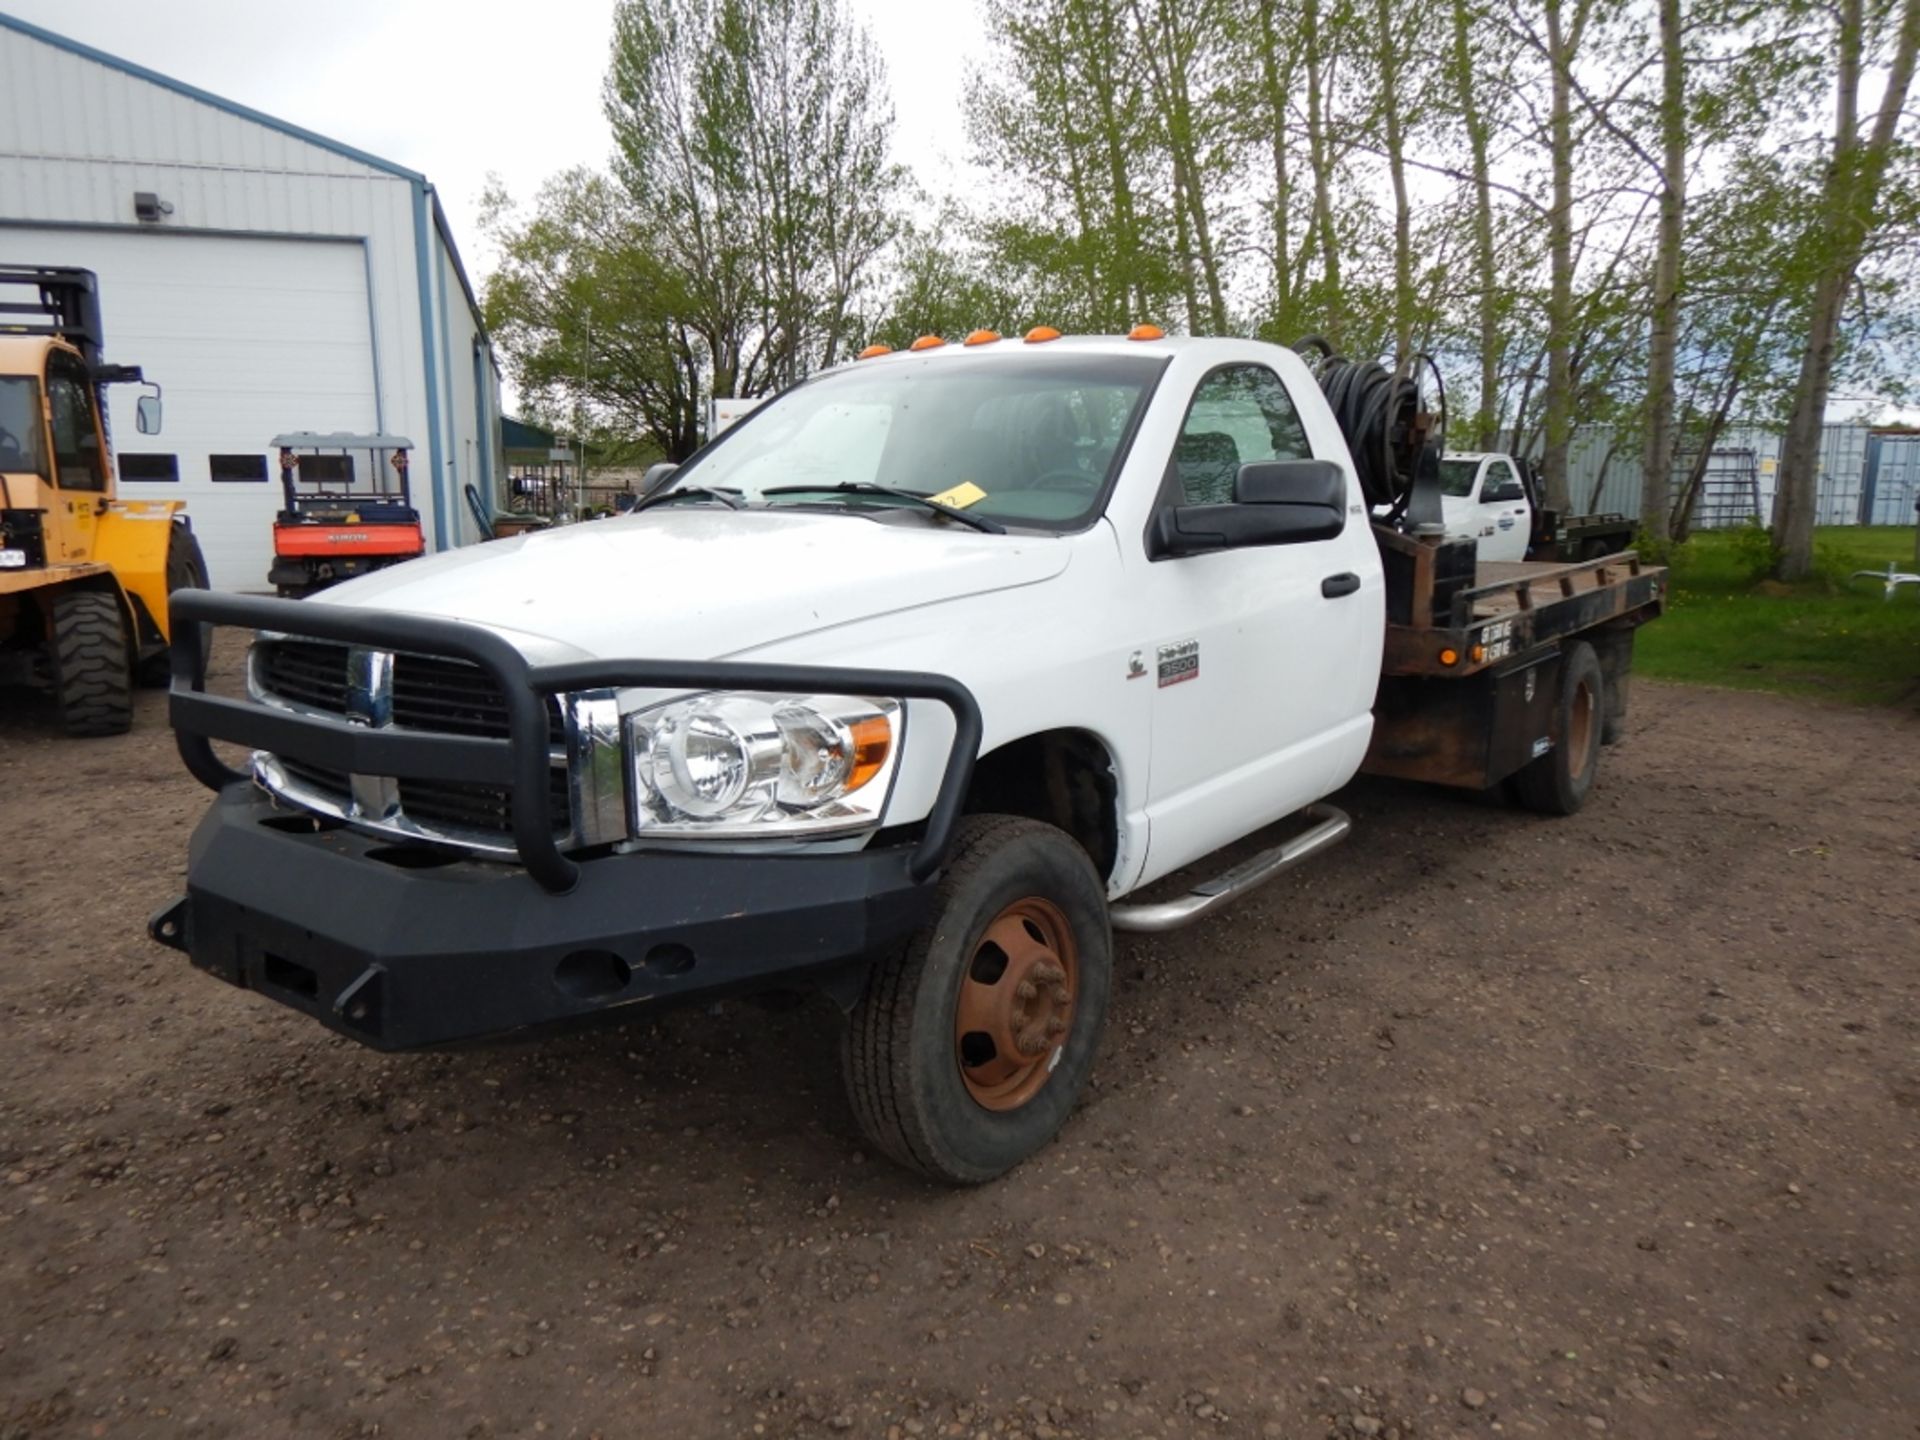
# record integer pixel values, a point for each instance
(746, 764)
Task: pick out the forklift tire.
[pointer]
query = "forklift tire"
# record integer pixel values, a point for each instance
(1558, 782)
(186, 570)
(92, 681)
(1018, 950)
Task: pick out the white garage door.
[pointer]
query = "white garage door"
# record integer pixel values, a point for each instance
(247, 338)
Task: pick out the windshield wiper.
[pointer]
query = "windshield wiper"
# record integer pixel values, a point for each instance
(731, 500)
(865, 487)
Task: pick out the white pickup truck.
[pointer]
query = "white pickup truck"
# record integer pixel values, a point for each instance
(905, 688)
(1493, 500)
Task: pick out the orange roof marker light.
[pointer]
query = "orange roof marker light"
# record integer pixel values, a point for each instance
(874, 352)
(927, 342)
(1040, 334)
(1146, 332)
(982, 337)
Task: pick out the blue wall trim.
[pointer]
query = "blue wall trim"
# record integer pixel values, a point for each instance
(483, 422)
(456, 516)
(205, 97)
(423, 263)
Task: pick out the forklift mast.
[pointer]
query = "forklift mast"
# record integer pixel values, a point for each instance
(62, 301)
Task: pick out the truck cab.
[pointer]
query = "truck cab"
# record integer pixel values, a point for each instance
(1485, 501)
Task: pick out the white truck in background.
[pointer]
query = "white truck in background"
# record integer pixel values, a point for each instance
(1494, 500)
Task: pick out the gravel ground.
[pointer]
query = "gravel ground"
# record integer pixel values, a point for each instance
(1484, 1124)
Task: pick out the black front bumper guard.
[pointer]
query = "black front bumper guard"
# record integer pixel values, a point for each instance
(401, 949)
(519, 762)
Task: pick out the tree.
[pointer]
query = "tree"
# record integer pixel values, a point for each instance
(751, 138)
(589, 318)
(1845, 222)
(1656, 475)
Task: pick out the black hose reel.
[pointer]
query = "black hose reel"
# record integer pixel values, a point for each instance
(1395, 440)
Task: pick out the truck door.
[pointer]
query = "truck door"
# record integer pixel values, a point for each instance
(1503, 520)
(1264, 659)
(79, 462)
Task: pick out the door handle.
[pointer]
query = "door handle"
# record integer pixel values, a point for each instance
(1334, 586)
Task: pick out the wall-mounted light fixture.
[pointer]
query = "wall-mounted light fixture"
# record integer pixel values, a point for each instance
(149, 208)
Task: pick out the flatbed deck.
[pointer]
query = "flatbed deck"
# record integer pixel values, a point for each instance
(1511, 608)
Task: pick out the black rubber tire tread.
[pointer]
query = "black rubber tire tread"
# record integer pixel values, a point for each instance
(186, 570)
(878, 1047)
(1545, 785)
(92, 681)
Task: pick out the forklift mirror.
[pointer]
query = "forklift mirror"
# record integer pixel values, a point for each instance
(146, 414)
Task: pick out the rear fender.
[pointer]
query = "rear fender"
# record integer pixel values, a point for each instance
(132, 538)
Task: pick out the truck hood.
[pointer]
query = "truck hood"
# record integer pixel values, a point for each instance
(678, 584)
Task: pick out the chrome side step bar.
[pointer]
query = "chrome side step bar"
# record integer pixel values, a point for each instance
(1249, 874)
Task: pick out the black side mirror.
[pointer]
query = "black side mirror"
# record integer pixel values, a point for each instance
(1292, 482)
(1502, 490)
(1276, 502)
(657, 475)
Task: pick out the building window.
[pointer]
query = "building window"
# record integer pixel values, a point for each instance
(149, 467)
(326, 470)
(237, 467)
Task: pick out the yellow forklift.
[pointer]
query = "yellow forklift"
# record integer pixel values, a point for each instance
(84, 575)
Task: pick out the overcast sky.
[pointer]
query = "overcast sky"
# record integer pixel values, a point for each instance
(456, 91)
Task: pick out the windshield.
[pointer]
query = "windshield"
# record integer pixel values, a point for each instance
(1027, 441)
(1456, 476)
(20, 425)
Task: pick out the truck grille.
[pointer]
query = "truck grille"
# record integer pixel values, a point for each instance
(452, 697)
(449, 697)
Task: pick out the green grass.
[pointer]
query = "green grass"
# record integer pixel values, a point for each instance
(1831, 636)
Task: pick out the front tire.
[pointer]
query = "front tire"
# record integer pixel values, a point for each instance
(1558, 782)
(92, 679)
(973, 1042)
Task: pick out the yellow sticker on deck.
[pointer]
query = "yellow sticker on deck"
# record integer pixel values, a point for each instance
(960, 496)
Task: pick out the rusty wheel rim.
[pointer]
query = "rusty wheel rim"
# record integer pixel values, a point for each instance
(1015, 1007)
(1579, 730)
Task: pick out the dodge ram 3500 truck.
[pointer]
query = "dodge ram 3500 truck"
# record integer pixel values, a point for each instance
(905, 689)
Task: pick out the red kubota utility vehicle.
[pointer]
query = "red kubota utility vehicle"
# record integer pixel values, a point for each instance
(348, 509)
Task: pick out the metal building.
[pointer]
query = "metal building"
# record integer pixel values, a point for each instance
(268, 278)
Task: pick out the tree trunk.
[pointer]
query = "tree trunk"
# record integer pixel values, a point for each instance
(1275, 85)
(1486, 423)
(1559, 417)
(1656, 476)
(1851, 194)
(1385, 12)
(1320, 159)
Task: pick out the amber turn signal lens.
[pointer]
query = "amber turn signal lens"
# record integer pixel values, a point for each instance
(1146, 332)
(927, 342)
(1040, 334)
(1477, 653)
(874, 350)
(982, 337)
(1449, 656)
(872, 738)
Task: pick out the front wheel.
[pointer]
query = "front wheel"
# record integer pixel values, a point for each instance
(973, 1041)
(92, 680)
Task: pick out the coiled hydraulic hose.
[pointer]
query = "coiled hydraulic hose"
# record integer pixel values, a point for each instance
(1391, 436)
